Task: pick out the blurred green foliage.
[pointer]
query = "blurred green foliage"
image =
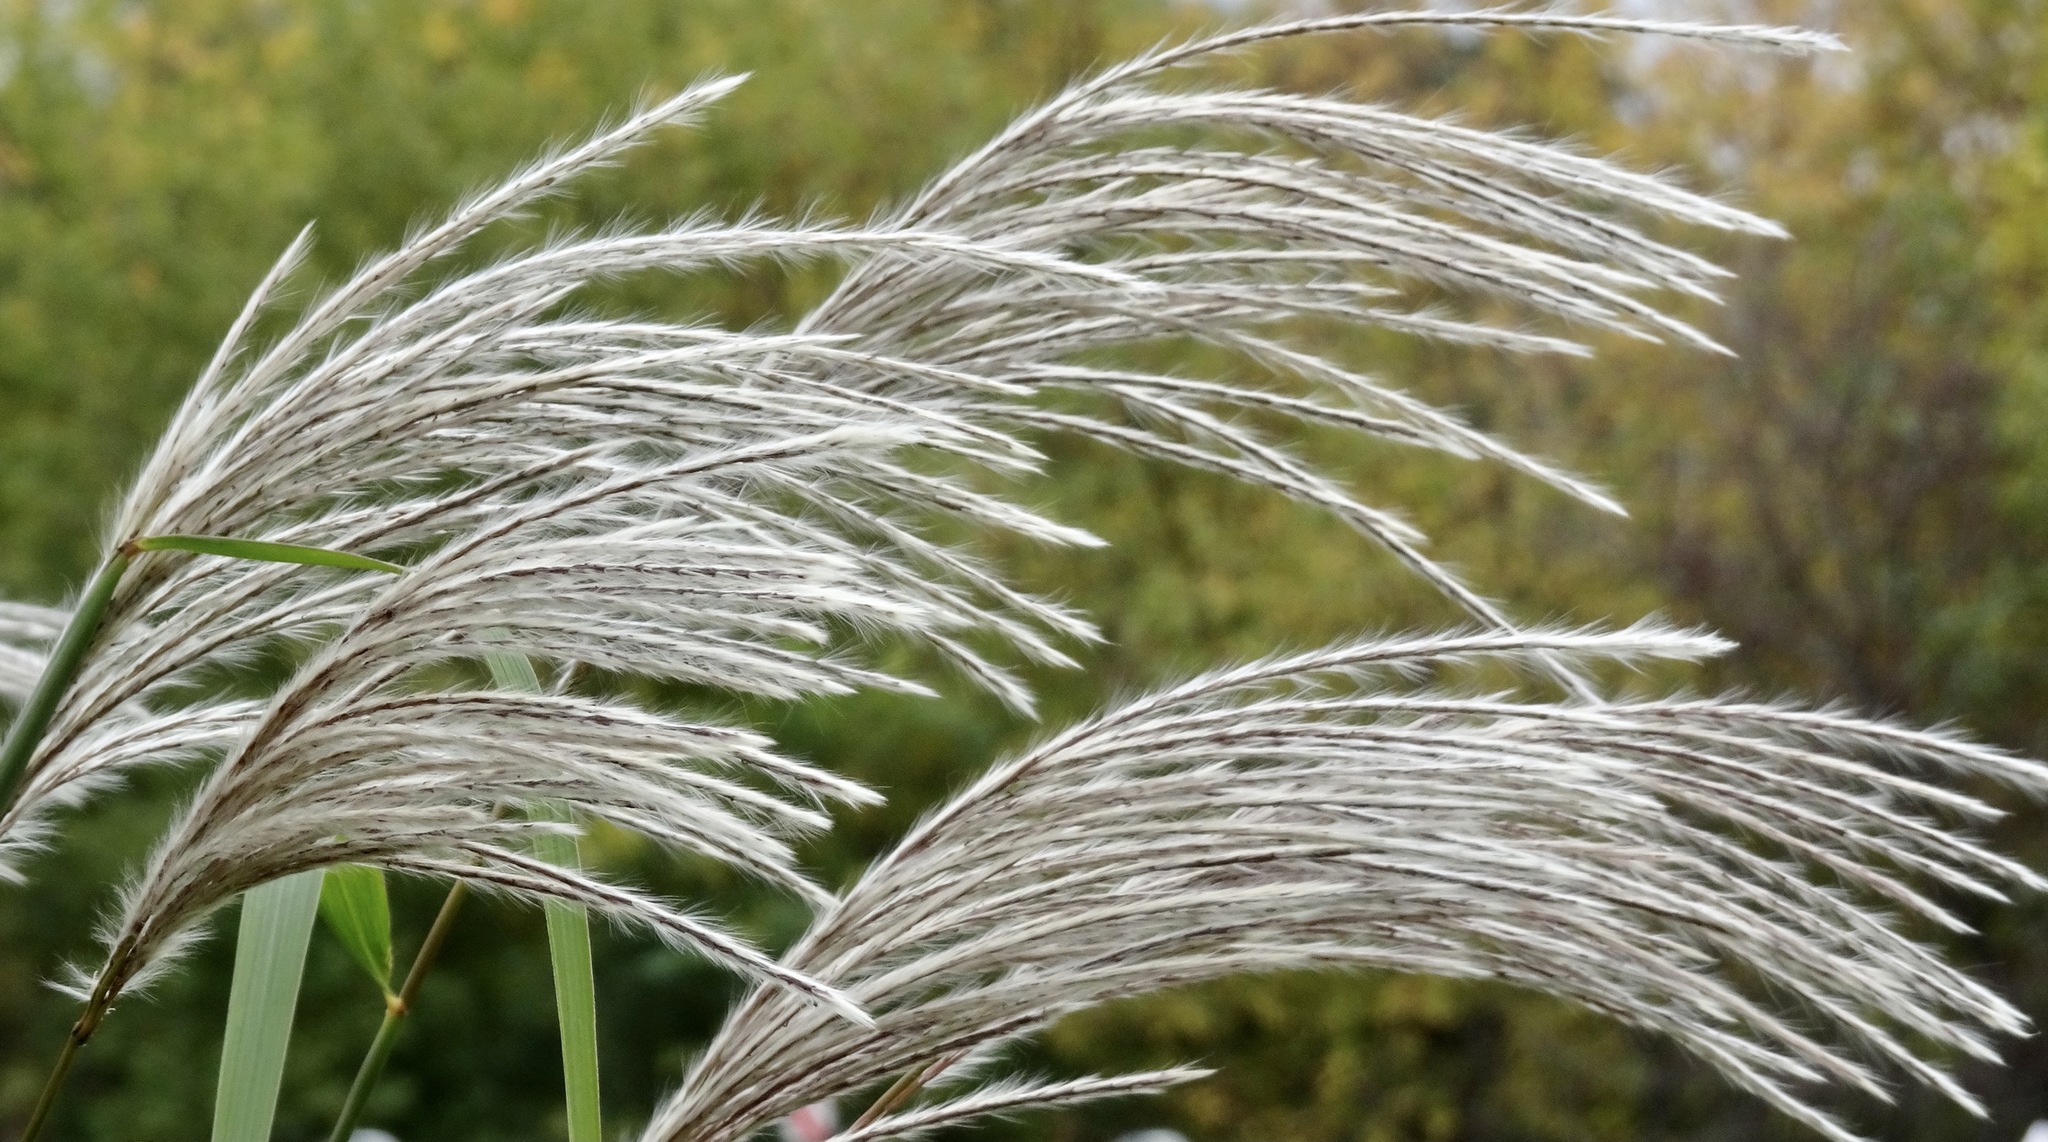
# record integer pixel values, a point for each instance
(1861, 498)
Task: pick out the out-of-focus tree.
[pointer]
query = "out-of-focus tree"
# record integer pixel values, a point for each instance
(1859, 498)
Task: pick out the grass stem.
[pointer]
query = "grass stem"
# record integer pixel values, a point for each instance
(20, 744)
(903, 1089)
(47, 1101)
(96, 1007)
(395, 1011)
(58, 672)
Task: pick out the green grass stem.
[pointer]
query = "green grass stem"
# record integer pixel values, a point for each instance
(395, 1011)
(58, 673)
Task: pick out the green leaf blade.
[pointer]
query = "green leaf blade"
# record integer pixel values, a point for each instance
(575, 999)
(568, 951)
(270, 958)
(357, 908)
(262, 552)
(513, 672)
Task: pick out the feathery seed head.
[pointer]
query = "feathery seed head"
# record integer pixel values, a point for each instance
(741, 509)
(1336, 808)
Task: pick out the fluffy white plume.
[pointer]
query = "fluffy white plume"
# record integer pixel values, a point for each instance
(1337, 808)
(742, 510)
(663, 569)
(390, 424)
(977, 311)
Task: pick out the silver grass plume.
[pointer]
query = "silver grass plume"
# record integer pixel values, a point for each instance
(983, 304)
(389, 423)
(1733, 875)
(693, 502)
(1292, 207)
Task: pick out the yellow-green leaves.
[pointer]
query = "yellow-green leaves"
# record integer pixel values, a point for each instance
(263, 552)
(357, 910)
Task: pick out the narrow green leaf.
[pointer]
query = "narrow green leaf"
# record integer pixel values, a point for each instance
(575, 999)
(270, 956)
(568, 954)
(513, 672)
(263, 552)
(357, 910)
